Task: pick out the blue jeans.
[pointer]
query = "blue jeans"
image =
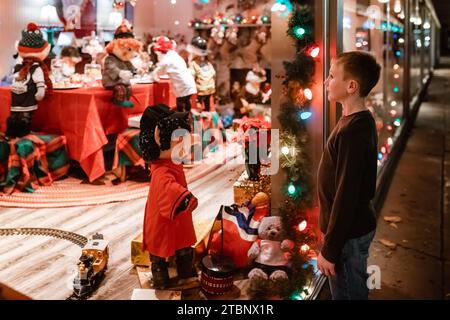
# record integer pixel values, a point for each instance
(350, 281)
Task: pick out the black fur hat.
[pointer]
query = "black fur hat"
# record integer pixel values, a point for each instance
(167, 121)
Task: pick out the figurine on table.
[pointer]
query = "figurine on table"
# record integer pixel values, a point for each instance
(251, 94)
(203, 72)
(31, 76)
(168, 226)
(64, 67)
(118, 69)
(172, 64)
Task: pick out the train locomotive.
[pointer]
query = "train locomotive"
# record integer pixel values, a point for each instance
(91, 266)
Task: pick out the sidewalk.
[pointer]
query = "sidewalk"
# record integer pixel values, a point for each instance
(419, 266)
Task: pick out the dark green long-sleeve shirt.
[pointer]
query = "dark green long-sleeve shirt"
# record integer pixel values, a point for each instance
(347, 181)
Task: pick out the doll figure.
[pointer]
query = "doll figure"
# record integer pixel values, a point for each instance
(251, 94)
(31, 76)
(203, 72)
(118, 69)
(168, 226)
(171, 63)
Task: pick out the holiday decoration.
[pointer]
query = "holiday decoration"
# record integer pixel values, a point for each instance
(170, 204)
(256, 133)
(271, 255)
(244, 189)
(295, 113)
(30, 78)
(118, 69)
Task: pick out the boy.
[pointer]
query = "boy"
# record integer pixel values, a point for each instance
(347, 178)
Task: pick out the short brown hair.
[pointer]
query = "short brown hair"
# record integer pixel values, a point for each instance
(363, 67)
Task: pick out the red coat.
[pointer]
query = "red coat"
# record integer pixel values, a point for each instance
(165, 232)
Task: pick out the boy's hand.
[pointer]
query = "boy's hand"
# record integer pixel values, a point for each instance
(325, 266)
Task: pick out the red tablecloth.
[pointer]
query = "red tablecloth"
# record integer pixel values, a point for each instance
(85, 117)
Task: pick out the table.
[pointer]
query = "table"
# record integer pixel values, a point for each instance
(85, 117)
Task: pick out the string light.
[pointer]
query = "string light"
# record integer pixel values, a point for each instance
(302, 225)
(393, 103)
(390, 141)
(304, 248)
(393, 113)
(308, 94)
(397, 122)
(314, 52)
(397, 6)
(299, 32)
(396, 66)
(305, 115)
(285, 150)
(383, 150)
(291, 189)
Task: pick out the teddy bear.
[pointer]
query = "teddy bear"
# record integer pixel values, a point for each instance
(270, 253)
(31, 77)
(118, 69)
(168, 226)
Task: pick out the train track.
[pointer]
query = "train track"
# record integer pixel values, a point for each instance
(75, 238)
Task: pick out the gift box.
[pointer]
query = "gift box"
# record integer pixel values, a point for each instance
(245, 189)
(138, 256)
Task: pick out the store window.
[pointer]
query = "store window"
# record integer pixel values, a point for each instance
(426, 41)
(416, 47)
(377, 26)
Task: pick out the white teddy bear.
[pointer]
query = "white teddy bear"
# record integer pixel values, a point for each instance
(271, 254)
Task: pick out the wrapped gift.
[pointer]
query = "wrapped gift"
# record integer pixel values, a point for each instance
(32, 161)
(138, 256)
(244, 189)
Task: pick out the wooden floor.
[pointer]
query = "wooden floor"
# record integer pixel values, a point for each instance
(43, 268)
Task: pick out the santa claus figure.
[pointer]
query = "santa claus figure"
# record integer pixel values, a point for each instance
(31, 76)
(172, 64)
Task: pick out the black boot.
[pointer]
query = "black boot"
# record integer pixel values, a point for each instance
(160, 272)
(185, 263)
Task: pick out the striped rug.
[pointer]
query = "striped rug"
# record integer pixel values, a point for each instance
(71, 192)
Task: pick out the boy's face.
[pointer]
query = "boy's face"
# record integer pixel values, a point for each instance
(339, 89)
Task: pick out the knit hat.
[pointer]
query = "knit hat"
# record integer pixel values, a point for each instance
(198, 46)
(124, 30)
(32, 40)
(163, 44)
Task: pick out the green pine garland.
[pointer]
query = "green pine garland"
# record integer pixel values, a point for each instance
(298, 167)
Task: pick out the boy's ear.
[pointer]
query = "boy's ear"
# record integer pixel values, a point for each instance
(353, 86)
(157, 137)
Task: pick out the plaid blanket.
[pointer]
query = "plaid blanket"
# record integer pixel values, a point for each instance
(129, 154)
(127, 151)
(30, 161)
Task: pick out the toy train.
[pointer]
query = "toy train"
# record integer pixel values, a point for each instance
(92, 266)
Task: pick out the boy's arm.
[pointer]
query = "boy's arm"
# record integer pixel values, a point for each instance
(349, 171)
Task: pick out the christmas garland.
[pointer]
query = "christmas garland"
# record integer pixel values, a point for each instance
(295, 154)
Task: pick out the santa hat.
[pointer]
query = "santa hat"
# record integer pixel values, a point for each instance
(163, 44)
(32, 40)
(124, 31)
